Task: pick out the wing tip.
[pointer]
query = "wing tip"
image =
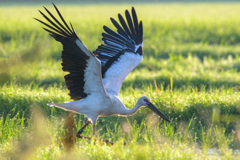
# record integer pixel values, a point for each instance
(133, 10)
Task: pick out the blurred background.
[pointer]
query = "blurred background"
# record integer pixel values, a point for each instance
(19, 2)
(190, 71)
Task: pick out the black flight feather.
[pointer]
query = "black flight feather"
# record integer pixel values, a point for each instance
(74, 60)
(128, 36)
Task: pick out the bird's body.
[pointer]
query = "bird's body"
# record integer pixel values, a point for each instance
(95, 78)
(95, 106)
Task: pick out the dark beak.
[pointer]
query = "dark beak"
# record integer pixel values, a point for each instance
(154, 109)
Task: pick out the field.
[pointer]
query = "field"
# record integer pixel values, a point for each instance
(190, 71)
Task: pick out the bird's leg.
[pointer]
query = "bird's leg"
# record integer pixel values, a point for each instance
(94, 130)
(78, 134)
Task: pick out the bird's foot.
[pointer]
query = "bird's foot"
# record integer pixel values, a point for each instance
(88, 138)
(79, 136)
(106, 141)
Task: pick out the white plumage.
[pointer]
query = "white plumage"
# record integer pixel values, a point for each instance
(125, 64)
(95, 79)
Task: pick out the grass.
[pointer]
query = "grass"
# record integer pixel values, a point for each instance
(190, 71)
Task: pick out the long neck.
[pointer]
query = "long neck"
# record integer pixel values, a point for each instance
(131, 111)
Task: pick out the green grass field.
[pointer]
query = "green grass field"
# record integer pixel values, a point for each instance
(190, 71)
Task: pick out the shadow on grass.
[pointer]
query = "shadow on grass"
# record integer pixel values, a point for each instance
(199, 51)
(139, 82)
(183, 83)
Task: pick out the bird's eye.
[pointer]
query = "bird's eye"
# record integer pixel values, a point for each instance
(146, 100)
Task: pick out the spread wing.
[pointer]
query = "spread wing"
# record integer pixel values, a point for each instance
(84, 68)
(122, 51)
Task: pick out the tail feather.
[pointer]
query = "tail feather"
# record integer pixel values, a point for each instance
(51, 104)
(64, 106)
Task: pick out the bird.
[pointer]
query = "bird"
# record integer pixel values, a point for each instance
(94, 78)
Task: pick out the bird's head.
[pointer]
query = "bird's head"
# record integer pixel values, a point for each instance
(145, 101)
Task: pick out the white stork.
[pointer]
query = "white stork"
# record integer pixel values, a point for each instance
(95, 78)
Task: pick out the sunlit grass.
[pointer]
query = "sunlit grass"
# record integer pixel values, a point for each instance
(190, 71)
(198, 124)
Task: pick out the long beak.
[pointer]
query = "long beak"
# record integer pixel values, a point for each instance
(154, 109)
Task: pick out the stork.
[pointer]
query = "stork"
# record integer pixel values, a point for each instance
(95, 78)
